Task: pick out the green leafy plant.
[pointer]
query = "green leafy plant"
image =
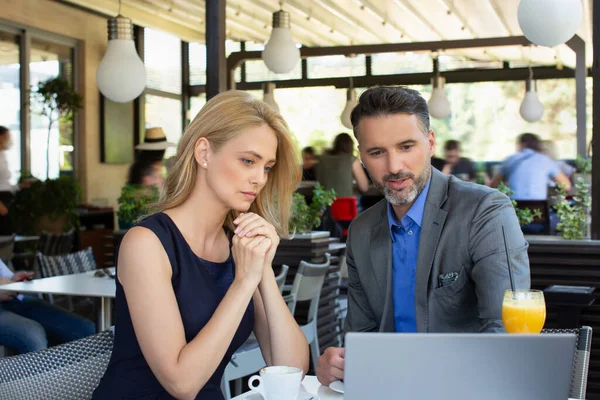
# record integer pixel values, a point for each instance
(57, 100)
(583, 164)
(573, 223)
(134, 202)
(524, 215)
(306, 217)
(53, 200)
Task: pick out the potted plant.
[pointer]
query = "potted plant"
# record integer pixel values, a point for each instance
(134, 203)
(58, 101)
(574, 216)
(524, 215)
(583, 166)
(305, 217)
(48, 206)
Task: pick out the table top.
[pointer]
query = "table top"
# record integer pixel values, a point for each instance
(310, 384)
(19, 238)
(83, 284)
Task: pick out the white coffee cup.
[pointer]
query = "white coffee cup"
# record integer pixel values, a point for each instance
(277, 383)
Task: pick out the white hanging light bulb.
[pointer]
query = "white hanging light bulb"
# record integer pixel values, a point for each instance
(350, 104)
(281, 54)
(549, 22)
(269, 95)
(121, 75)
(531, 108)
(439, 105)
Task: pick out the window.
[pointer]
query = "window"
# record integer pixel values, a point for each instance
(163, 108)
(166, 113)
(198, 61)
(10, 99)
(162, 57)
(336, 66)
(400, 63)
(196, 104)
(51, 153)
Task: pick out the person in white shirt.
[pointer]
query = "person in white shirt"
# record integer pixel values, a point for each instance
(27, 322)
(6, 188)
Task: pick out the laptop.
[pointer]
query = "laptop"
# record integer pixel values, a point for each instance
(461, 366)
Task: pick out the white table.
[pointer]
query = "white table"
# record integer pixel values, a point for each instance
(310, 384)
(83, 284)
(19, 239)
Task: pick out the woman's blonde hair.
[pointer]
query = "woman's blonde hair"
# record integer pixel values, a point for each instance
(221, 119)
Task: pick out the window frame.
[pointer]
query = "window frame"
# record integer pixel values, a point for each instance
(25, 34)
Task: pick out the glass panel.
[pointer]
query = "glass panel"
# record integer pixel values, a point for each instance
(49, 60)
(196, 104)
(162, 57)
(448, 63)
(10, 100)
(400, 63)
(485, 117)
(336, 66)
(165, 113)
(198, 61)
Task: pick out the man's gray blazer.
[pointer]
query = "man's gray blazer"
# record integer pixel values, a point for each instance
(461, 233)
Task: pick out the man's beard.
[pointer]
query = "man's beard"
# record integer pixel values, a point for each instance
(408, 194)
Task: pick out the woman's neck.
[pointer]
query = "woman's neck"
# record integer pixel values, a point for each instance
(200, 219)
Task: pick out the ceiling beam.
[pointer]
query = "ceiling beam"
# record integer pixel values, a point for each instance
(470, 75)
(235, 58)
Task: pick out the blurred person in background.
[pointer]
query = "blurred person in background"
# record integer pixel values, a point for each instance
(309, 163)
(527, 172)
(461, 167)
(146, 173)
(339, 168)
(6, 188)
(26, 322)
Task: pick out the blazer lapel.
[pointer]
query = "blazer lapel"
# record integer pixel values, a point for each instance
(434, 218)
(381, 262)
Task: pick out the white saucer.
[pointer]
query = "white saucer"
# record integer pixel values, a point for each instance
(301, 396)
(337, 386)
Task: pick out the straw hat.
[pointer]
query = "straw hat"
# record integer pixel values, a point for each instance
(155, 139)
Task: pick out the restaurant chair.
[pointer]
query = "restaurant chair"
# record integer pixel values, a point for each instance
(66, 264)
(280, 279)
(307, 286)
(54, 244)
(69, 371)
(581, 359)
(248, 358)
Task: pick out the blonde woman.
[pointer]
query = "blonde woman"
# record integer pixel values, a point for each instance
(195, 278)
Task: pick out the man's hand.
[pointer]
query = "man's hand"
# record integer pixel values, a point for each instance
(331, 366)
(3, 209)
(21, 276)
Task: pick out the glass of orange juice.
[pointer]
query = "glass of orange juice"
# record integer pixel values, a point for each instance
(523, 311)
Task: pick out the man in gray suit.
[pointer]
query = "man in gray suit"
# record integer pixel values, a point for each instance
(431, 256)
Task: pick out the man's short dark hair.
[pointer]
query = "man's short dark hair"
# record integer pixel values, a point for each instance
(390, 100)
(3, 130)
(530, 141)
(309, 150)
(450, 145)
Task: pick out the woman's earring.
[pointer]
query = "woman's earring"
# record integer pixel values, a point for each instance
(205, 163)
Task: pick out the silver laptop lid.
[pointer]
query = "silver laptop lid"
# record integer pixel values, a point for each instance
(458, 366)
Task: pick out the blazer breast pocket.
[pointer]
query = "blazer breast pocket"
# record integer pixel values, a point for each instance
(453, 287)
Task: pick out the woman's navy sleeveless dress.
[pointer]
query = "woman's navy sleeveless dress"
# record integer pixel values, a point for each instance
(199, 287)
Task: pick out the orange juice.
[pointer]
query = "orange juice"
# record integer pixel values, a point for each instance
(523, 315)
